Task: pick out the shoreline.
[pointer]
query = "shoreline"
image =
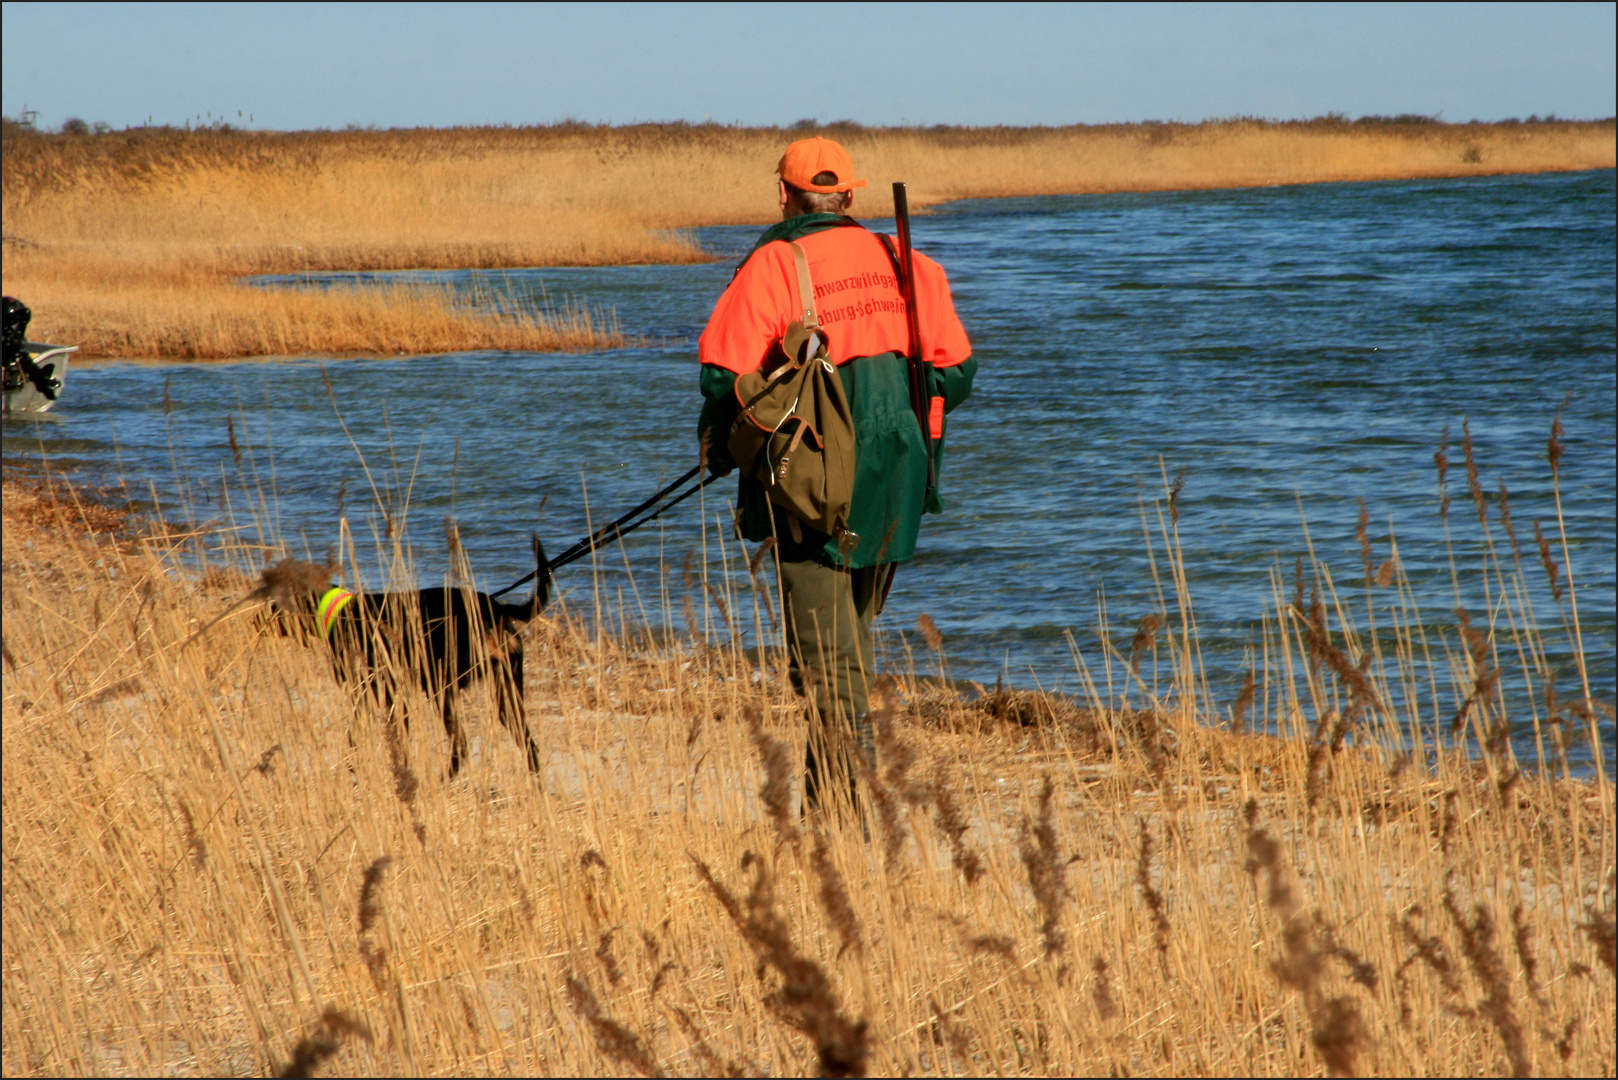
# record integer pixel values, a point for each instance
(615, 340)
(131, 244)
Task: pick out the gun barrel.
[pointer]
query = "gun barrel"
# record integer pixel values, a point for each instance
(921, 382)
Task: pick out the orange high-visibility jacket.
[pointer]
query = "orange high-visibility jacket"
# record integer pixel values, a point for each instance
(856, 295)
(862, 314)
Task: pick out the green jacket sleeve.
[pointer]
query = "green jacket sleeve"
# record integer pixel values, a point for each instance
(718, 414)
(955, 382)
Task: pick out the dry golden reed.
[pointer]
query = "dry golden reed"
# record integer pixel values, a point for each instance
(206, 857)
(131, 243)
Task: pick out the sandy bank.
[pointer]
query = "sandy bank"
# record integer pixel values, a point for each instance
(213, 865)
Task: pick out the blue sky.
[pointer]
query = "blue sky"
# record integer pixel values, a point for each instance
(292, 66)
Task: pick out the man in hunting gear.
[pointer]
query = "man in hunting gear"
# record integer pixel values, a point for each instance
(832, 586)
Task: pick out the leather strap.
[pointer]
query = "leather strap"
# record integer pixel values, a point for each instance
(806, 288)
(797, 438)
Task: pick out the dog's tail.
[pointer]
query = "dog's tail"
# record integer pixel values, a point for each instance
(542, 588)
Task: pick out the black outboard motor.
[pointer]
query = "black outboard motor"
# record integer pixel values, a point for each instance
(18, 363)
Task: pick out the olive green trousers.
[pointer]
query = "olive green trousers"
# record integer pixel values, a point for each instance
(829, 613)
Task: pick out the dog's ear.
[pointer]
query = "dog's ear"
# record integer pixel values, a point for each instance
(283, 584)
(291, 581)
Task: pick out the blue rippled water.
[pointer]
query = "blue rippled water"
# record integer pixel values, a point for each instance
(1282, 349)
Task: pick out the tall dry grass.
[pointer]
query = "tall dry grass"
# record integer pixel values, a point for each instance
(111, 237)
(195, 315)
(215, 864)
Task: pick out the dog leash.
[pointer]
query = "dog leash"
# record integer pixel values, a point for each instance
(622, 526)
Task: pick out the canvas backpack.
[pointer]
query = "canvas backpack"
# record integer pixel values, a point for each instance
(794, 432)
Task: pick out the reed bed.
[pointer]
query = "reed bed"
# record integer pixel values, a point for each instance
(195, 317)
(214, 863)
(107, 233)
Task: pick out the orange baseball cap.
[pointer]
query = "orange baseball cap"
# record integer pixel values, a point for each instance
(807, 158)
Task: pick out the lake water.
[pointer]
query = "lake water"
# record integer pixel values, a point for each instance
(1281, 348)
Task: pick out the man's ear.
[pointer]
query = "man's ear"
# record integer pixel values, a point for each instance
(781, 194)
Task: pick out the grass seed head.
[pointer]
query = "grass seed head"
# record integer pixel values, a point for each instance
(1101, 992)
(888, 784)
(1441, 460)
(805, 999)
(1339, 1034)
(952, 821)
(1244, 702)
(1362, 533)
(1000, 945)
(929, 631)
(315, 1049)
(1522, 936)
(608, 959)
(1047, 871)
(1564, 1045)
(1474, 484)
(1553, 446)
(711, 1063)
(616, 1042)
(1477, 945)
(759, 555)
(1506, 522)
(1153, 898)
(370, 910)
(777, 790)
(1264, 853)
(948, 1030)
(193, 839)
(1602, 929)
(834, 899)
(1552, 570)
(1145, 639)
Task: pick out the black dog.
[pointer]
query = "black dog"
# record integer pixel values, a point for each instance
(445, 637)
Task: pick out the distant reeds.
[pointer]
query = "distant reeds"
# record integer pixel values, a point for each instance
(130, 243)
(147, 313)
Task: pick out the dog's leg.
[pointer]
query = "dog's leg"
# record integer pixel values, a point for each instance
(513, 712)
(395, 713)
(452, 728)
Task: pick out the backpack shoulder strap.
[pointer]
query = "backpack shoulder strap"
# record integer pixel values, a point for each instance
(806, 288)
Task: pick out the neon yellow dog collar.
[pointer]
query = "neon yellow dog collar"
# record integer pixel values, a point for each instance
(330, 605)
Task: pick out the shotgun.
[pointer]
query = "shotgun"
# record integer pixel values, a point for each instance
(921, 366)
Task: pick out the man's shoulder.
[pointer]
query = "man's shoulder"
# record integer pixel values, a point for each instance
(853, 237)
(800, 228)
